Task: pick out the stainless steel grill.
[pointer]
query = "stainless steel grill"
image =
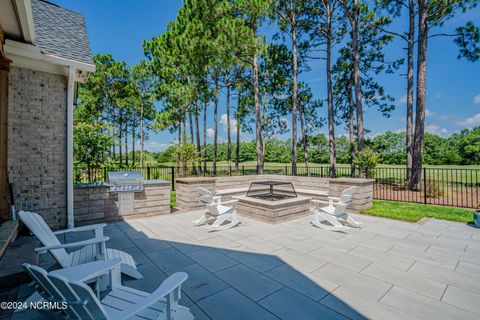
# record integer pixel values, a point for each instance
(125, 181)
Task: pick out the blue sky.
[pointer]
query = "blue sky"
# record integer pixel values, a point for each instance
(453, 86)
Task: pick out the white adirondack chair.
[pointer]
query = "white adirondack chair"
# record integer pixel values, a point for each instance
(208, 197)
(334, 216)
(224, 213)
(120, 303)
(90, 250)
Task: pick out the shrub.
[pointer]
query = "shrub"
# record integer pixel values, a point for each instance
(367, 161)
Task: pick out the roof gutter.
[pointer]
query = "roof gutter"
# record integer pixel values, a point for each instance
(14, 48)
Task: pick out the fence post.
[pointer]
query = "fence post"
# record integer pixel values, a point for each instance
(286, 170)
(148, 173)
(321, 171)
(173, 178)
(243, 170)
(424, 185)
(104, 174)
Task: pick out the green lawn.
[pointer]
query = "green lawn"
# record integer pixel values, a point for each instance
(341, 165)
(413, 212)
(173, 199)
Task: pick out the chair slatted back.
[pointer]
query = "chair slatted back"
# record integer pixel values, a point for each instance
(45, 287)
(80, 298)
(206, 197)
(42, 231)
(213, 209)
(347, 195)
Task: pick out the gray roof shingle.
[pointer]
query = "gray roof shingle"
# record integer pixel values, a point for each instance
(61, 32)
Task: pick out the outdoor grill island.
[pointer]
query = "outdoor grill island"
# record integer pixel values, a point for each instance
(125, 184)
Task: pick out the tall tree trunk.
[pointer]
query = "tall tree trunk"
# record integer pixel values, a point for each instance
(192, 138)
(179, 141)
(134, 138)
(142, 135)
(351, 129)
(356, 75)
(295, 88)
(215, 126)
(237, 146)
(229, 140)
(190, 122)
(197, 135)
(258, 116)
(184, 142)
(112, 130)
(331, 111)
(120, 137)
(409, 129)
(421, 104)
(304, 138)
(126, 143)
(205, 136)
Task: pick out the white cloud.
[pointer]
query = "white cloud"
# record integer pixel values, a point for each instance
(476, 99)
(156, 146)
(472, 121)
(224, 123)
(435, 129)
(429, 113)
(210, 132)
(402, 100)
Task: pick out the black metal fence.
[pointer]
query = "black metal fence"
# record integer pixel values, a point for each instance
(439, 186)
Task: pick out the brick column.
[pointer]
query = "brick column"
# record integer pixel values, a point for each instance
(188, 195)
(363, 196)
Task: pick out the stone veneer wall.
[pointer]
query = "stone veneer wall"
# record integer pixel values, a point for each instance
(187, 192)
(37, 143)
(94, 204)
(188, 196)
(363, 196)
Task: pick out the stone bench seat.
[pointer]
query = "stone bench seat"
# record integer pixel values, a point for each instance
(316, 188)
(315, 194)
(231, 192)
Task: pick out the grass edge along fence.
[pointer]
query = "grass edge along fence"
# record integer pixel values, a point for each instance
(456, 187)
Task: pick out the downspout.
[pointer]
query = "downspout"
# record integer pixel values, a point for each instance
(70, 98)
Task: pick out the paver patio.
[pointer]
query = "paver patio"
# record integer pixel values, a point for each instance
(387, 270)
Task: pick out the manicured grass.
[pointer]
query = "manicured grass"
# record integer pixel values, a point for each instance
(413, 212)
(341, 165)
(173, 199)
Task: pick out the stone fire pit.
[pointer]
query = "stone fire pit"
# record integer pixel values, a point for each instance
(273, 202)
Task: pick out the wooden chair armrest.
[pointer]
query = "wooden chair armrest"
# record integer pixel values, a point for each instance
(171, 286)
(83, 243)
(83, 228)
(88, 271)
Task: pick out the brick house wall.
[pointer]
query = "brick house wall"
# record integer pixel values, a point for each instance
(37, 143)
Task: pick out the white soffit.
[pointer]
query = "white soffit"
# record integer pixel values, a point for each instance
(28, 56)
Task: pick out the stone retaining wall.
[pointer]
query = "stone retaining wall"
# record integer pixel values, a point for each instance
(188, 196)
(234, 182)
(94, 204)
(363, 196)
(187, 192)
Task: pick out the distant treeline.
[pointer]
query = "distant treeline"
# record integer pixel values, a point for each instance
(459, 149)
